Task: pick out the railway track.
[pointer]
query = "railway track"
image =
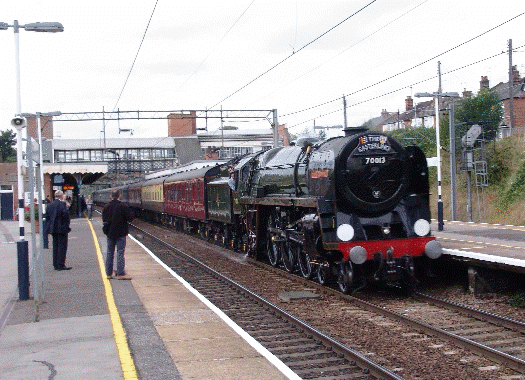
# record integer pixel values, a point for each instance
(493, 336)
(308, 352)
(498, 339)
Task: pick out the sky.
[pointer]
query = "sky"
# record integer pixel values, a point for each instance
(298, 57)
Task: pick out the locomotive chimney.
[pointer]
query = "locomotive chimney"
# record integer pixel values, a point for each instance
(354, 130)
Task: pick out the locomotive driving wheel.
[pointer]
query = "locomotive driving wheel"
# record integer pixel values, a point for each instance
(273, 245)
(305, 265)
(346, 277)
(324, 272)
(290, 255)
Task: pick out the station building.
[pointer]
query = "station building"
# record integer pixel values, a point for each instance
(80, 166)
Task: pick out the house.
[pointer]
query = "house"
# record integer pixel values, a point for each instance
(517, 88)
(418, 115)
(424, 113)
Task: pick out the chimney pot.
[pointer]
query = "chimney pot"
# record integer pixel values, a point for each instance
(484, 83)
(409, 103)
(515, 76)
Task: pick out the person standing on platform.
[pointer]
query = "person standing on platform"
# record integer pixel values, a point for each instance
(58, 226)
(89, 207)
(45, 218)
(118, 215)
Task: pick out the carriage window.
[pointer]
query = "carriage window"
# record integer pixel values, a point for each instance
(199, 192)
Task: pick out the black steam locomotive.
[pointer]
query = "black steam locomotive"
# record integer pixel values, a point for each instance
(352, 208)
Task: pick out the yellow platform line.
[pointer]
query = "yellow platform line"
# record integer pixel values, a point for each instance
(126, 361)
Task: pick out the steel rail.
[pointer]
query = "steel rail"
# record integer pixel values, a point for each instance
(482, 315)
(513, 362)
(351, 355)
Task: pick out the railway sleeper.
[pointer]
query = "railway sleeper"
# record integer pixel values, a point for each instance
(504, 342)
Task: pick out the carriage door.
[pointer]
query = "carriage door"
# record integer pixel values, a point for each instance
(6, 202)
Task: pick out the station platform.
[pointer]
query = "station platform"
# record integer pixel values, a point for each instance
(88, 327)
(490, 245)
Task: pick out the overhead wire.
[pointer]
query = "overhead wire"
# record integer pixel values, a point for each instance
(372, 85)
(405, 87)
(136, 55)
(303, 47)
(218, 43)
(348, 48)
(198, 67)
(293, 53)
(404, 71)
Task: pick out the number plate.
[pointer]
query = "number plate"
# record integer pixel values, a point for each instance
(374, 160)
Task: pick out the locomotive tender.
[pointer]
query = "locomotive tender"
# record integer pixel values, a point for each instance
(354, 208)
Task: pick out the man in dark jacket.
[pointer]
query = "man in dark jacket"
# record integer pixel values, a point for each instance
(118, 215)
(58, 226)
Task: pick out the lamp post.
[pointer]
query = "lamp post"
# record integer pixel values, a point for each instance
(19, 123)
(437, 96)
(38, 261)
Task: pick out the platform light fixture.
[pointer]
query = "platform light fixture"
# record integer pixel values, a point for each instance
(22, 246)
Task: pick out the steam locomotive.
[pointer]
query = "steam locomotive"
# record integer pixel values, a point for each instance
(354, 209)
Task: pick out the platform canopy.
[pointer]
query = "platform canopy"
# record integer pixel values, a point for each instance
(74, 168)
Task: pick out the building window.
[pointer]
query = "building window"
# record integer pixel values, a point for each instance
(133, 154)
(60, 156)
(145, 154)
(71, 155)
(234, 151)
(96, 155)
(84, 155)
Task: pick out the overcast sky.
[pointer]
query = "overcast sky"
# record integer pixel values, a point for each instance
(203, 54)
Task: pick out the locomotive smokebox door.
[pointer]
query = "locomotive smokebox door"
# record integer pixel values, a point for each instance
(372, 174)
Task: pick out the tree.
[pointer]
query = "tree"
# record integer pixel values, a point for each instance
(484, 109)
(425, 138)
(322, 134)
(7, 142)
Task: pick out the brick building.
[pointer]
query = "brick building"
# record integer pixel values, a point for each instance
(182, 124)
(8, 190)
(416, 115)
(517, 88)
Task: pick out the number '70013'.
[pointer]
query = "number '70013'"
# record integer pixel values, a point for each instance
(375, 160)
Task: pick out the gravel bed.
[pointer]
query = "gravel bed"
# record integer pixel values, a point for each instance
(491, 302)
(408, 353)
